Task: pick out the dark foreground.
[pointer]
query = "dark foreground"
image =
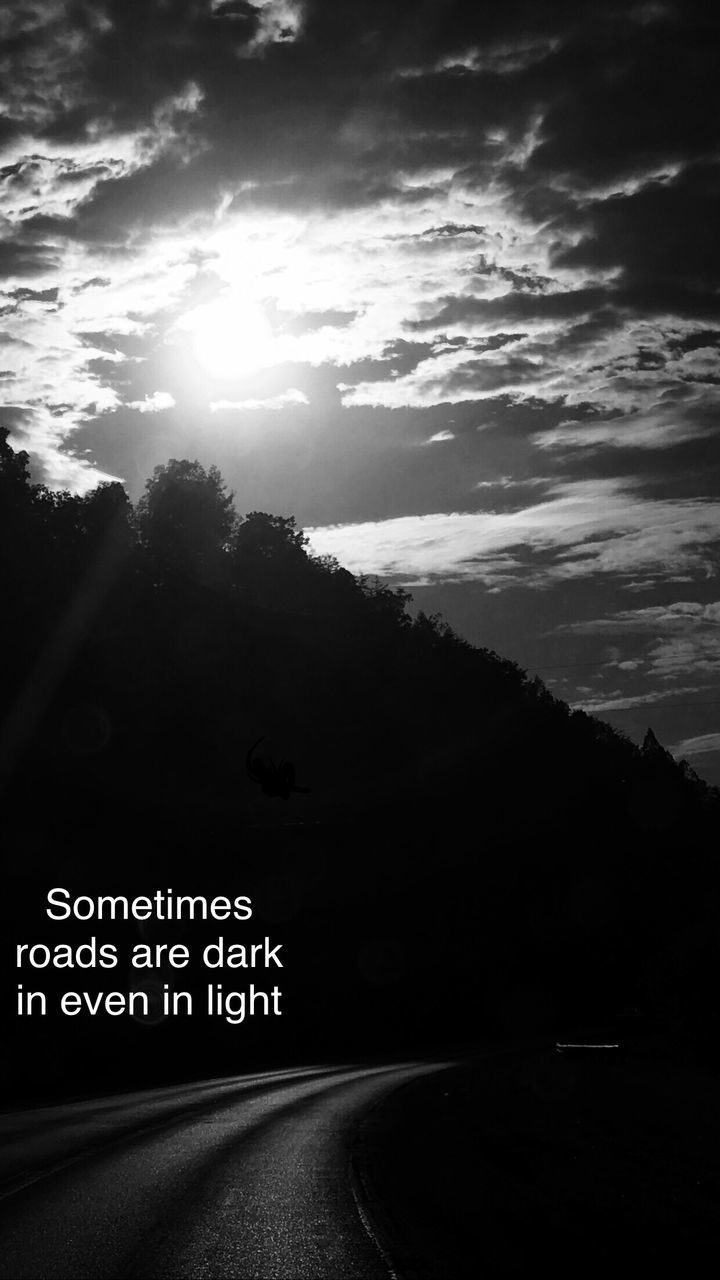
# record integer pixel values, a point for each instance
(517, 1163)
(530, 1163)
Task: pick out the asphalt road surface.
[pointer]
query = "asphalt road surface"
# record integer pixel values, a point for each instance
(247, 1178)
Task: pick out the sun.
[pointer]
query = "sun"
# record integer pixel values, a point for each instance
(231, 337)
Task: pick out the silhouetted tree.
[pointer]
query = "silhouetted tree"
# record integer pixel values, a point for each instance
(263, 537)
(186, 519)
(270, 561)
(14, 473)
(654, 751)
(16, 505)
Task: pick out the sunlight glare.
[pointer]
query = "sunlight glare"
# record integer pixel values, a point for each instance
(231, 337)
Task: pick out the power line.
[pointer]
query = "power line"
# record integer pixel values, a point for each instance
(565, 666)
(659, 706)
(655, 706)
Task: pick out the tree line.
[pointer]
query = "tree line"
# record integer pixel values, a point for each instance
(147, 649)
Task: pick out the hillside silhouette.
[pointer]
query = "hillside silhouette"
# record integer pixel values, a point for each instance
(190, 697)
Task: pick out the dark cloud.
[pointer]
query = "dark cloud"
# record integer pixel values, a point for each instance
(694, 341)
(34, 295)
(631, 96)
(95, 282)
(432, 29)
(514, 306)
(311, 321)
(449, 230)
(663, 235)
(136, 53)
(20, 258)
(15, 417)
(164, 193)
(329, 117)
(620, 85)
(8, 339)
(670, 469)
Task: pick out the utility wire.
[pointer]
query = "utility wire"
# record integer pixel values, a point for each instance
(656, 706)
(659, 706)
(567, 666)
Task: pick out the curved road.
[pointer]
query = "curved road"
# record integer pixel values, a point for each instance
(247, 1178)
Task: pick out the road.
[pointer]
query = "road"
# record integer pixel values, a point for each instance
(246, 1178)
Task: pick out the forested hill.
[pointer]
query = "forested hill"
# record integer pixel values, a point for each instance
(191, 699)
(146, 651)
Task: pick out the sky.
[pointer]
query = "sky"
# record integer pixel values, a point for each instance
(440, 279)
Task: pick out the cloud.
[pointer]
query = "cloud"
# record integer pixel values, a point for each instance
(154, 403)
(685, 636)
(657, 234)
(699, 746)
(681, 616)
(19, 259)
(659, 426)
(580, 530)
(282, 401)
(512, 307)
(508, 482)
(279, 21)
(617, 701)
(35, 295)
(450, 377)
(696, 652)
